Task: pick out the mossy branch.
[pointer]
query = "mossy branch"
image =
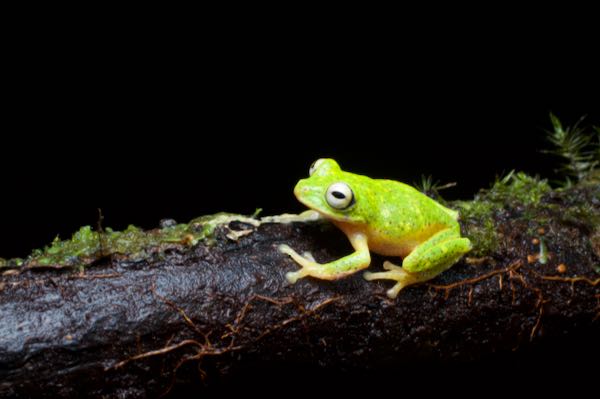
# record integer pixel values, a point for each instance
(132, 326)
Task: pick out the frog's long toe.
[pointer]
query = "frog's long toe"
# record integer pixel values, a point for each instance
(285, 249)
(308, 256)
(392, 293)
(398, 275)
(293, 277)
(307, 264)
(306, 261)
(387, 265)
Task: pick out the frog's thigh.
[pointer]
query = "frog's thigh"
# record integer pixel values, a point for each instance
(437, 254)
(426, 261)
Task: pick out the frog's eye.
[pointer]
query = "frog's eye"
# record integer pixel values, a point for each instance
(314, 166)
(339, 196)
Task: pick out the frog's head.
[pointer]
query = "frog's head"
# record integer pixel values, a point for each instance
(331, 192)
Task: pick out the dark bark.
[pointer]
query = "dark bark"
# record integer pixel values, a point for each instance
(129, 329)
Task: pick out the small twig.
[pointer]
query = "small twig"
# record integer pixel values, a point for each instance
(447, 185)
(101, 235)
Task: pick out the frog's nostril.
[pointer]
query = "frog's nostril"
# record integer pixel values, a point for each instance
(302, 188)
(301, 191)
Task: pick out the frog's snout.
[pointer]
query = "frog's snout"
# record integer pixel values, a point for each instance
(305, 193)
(299, 191)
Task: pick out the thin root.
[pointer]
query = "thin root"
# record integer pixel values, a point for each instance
(156, 352)
(449, 287)
(185, 317)
(571, 280)
(235, 327)
(537, 323)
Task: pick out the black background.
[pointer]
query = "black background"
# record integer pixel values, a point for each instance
(145, 139)
(182, 123)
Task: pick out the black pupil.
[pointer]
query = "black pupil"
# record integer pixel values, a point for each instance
(338, 195)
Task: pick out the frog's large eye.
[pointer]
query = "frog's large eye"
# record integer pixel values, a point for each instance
(339, 196)
(314, 166)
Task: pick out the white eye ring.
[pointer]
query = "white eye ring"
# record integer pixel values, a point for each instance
(314, 166)
(339, 196)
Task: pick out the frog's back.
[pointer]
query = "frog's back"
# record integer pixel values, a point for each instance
(404, 196)
(405, 218)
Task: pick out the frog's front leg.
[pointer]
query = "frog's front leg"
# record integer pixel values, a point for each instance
(426, 261)
(358, 260)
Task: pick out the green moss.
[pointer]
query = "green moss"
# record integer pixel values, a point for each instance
(584, 213)
(516, 189)
(578, 148)
(580, 152)
(592, 178)
(133, 243)
(480, 227)
(14, 262)
(484, 237)
(477, 209)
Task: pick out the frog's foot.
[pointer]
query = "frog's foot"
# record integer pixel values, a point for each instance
(334, 270)
(397, 273)
(309, 266)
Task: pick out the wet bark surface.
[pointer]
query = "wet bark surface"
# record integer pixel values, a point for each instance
(143, 329)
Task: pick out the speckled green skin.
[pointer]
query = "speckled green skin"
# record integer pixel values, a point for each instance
(386, 217)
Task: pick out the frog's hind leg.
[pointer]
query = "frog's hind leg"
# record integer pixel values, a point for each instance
(426, 261)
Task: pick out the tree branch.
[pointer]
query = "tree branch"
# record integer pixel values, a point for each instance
(129, 328)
